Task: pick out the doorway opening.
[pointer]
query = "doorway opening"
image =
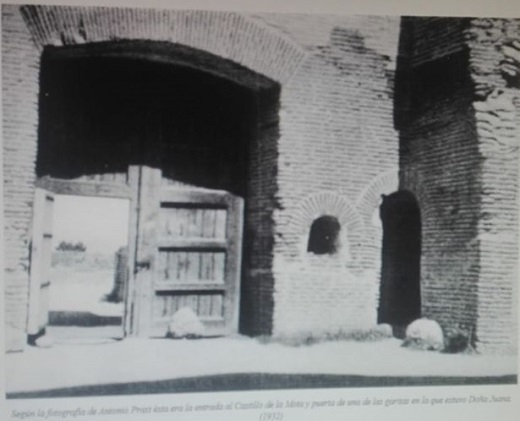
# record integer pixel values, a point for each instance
(173, 130)
(400, 294)
(90, 238)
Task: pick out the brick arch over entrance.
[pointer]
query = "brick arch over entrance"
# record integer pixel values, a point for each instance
(369, 199)
(225, 34)
(233, 38)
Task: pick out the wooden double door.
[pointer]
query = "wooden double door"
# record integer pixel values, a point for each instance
(184, 251)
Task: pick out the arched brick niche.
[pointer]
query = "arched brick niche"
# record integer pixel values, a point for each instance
(323, 287)
(333, 207)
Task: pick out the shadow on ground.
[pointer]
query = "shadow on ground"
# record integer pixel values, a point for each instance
(259, 381)
(82, 318)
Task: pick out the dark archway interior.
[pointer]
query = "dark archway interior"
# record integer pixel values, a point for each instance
(99, 114)
(400, 299)
(204, 120)
(324, 235)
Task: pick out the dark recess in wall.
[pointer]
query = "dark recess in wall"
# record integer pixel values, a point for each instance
(98, 114)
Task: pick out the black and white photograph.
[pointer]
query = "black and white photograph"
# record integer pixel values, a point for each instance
(206, 201)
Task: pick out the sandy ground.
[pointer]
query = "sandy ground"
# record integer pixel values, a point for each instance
(87, 356)
(78, 295)
(134, 360)
(82, 290)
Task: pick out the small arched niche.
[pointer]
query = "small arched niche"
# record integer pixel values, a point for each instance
(324, 235)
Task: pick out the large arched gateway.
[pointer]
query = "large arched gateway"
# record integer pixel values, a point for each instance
(173, 130)
(168, 116)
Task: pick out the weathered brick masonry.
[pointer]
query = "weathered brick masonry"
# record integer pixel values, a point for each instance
(338, 154)
(459, 156)
(325, 145)
(497, 114)
(20, 124)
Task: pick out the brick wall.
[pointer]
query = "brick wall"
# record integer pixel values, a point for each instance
(496, 105)
(338, 153)
(451, 119)
(440, 164)
(256, 301)
(20, 120)
(325, 145)
(335, 109)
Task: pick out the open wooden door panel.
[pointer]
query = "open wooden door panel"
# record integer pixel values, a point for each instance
(188, 255)
(41, 262)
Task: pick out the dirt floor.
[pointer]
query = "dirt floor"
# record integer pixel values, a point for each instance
(78, 311)
(82, 290)
(89, 358)
(165, 365)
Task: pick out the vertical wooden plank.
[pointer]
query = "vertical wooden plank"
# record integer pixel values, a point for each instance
(187, 266)
(199, 273)
(182, 301)
(171, 264)
(193, 266)
(182, 216)
(221, 220)
(167, 265)
(176, 258)
(45, 281)
(172, 307)
(36, 262)
(214, 223)
(41, 261)
(198, 222)
(176, 303)
(156, 308)
(164, 226)
(195, 229)
(209, 223)
(178, 220)
(233, 264)
(161, 267)
(219, 260)
(188, 223)
(204, 305)
(131, 304)
(190, 301)
(203, 223)
(160, 306)
(217, 306)
(212, 274)
(204, 274)
(146, 253)
(173, 215)
(162, 221)
(182, 266)
(210, 261)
